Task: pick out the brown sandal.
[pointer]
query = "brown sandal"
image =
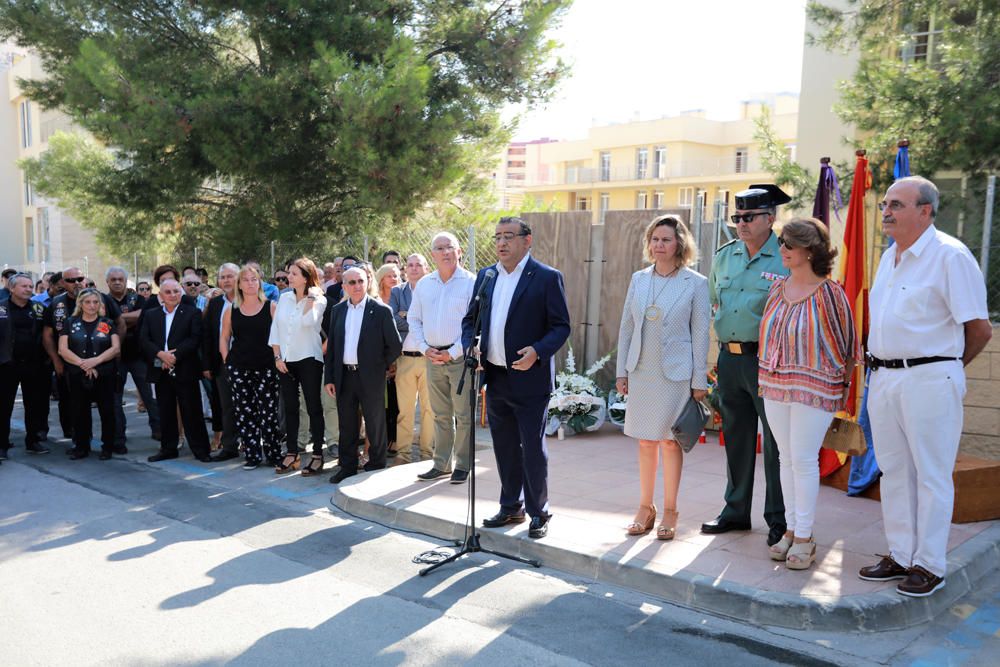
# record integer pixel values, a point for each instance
(668, 527)
(636, 528)
(314, 467)
(288, 464)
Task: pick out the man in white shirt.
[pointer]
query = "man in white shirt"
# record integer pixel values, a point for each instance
(928, 321)
(362, 342)
(435, 319)
(411, 370)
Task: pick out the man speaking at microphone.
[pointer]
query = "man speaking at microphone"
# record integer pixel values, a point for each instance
(525, 320)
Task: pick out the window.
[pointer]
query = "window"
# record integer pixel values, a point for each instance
(515, 163)
(922, 43)
(701, 200)
(43, 229)
(582, 202)
(722, 205)
(605, 166)
(790, 152)
(658, 199)
(515, 177)
(29, 196)
(25, 124)
(516, 150)
(29, 239)
(660, 162)
(741, 160)
(605, 204)
(640, 199)
(685, 197)
(641, 163)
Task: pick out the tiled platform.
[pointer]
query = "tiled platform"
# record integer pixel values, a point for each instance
(593, 496)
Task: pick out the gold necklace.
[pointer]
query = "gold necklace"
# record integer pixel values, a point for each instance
(654, 312)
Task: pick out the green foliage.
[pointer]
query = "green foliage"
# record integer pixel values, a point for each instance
(791, 177)
(946, 105)
(234, 124)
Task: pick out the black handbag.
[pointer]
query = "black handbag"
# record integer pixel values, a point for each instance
(690, 424)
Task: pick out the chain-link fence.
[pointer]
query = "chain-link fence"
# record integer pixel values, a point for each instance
(970, 211)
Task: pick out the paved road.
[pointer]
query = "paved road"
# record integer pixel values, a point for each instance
(124, 562)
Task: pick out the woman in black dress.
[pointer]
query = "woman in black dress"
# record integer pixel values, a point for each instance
(249, 361)
(89, 346)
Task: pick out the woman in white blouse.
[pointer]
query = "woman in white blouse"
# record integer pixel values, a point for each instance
(298, 356)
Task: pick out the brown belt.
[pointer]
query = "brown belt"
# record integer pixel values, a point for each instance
(736, 347)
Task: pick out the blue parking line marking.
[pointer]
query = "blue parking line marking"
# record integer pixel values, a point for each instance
(286, 494)
(965, 641)
(189, 467)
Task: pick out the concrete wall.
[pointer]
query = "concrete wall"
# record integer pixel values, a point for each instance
(981, 430)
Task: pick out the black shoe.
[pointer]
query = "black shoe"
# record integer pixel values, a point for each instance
(341, 476)
(459, 476)
(204, 458)
(502, 518)
(43, 436)
(162, 456)
(105, 455)
(720, 525)
(3, 453)
(539, 526)
(36, 448)
(775, 534)
(224, 456)
(76, 454)
(433, 473)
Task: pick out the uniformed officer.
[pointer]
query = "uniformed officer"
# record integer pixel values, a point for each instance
(56, 314)
(742, 273)
(89, 344)
(21, 363)
(131, 305)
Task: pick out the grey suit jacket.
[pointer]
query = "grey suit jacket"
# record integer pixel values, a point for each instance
(399, 300)
(686, 320)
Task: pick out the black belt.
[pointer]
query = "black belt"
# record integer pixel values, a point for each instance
(875, 363)
(351, 367)
(407, 353)
(736, 347)
(440, 348)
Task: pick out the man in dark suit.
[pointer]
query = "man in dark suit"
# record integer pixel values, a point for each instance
(169, 339)
(525, 320)
(335, 292)
(362, 342)
(215, 369)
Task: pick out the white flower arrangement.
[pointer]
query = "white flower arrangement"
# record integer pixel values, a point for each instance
(577, 403)
(617, 404)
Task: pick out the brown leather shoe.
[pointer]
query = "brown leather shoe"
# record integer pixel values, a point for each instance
(920, 583)
(885, 570)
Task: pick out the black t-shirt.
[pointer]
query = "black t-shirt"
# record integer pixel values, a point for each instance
(130, 303)
(25, 324)
(61, 308)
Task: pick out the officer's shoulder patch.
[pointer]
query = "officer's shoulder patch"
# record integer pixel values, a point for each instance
(725, 245)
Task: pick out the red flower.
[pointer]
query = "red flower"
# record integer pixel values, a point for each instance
(104, 328)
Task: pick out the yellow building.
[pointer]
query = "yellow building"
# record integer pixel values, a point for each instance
(669, 163)
(37, 236)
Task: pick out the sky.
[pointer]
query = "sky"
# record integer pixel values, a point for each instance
(657, 58)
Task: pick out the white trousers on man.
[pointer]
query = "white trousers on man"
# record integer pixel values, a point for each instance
(798, 432)
(916, 418)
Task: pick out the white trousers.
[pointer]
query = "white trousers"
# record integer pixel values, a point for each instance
(798, 431)
(916, 417)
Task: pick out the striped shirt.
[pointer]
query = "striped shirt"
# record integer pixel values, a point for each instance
(805, 346)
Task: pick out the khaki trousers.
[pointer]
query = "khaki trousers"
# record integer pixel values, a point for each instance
(452, 414)
(411, 384)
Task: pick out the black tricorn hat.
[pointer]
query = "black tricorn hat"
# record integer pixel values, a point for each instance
(763, 195)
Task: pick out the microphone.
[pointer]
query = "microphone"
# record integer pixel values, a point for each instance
(487, 279)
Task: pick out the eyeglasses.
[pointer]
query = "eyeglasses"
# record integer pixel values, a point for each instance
(191, 284)
(507, 236)
(746, 217)
(356, 281)
(74, 280)
(445, 248)
(896, 205)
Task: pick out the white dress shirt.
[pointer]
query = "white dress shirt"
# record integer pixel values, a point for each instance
(919, 306)
(295, 330)
(352, 330)
(169, 317)
(437, 309)
(503, 293)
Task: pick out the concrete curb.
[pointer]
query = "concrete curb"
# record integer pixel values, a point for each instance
(874, 612)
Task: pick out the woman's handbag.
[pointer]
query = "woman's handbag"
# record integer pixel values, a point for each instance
(690, 424)
(846, 437)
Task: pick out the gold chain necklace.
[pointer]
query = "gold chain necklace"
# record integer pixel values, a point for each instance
(654, 312)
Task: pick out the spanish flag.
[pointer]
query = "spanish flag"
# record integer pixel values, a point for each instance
(854, 268)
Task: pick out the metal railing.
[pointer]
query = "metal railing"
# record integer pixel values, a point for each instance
(721, 166)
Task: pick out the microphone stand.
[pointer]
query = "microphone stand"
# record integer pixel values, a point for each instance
(472, 544)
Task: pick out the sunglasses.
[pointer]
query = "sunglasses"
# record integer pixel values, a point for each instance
(356, 281)
(785, 244)
(191, 284)
(144, 289)
(746, 217)
(280, 280)
(74, 280)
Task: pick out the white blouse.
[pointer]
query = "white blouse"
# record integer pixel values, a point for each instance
(295, 331)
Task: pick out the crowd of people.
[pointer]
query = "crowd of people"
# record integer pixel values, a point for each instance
(341, 358)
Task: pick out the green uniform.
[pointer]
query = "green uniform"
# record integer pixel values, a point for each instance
(738, 287)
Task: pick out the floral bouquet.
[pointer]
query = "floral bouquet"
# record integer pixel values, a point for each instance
(577, 404)
(616, 408)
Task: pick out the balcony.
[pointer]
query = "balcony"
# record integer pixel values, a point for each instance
(721, 167)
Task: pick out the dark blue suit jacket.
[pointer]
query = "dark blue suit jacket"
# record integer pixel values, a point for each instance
(538, 317)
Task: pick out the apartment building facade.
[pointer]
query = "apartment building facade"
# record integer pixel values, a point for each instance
(684, 162)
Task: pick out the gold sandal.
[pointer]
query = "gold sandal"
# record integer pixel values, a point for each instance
(804, 554)
(668, 527)
(636, 528)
